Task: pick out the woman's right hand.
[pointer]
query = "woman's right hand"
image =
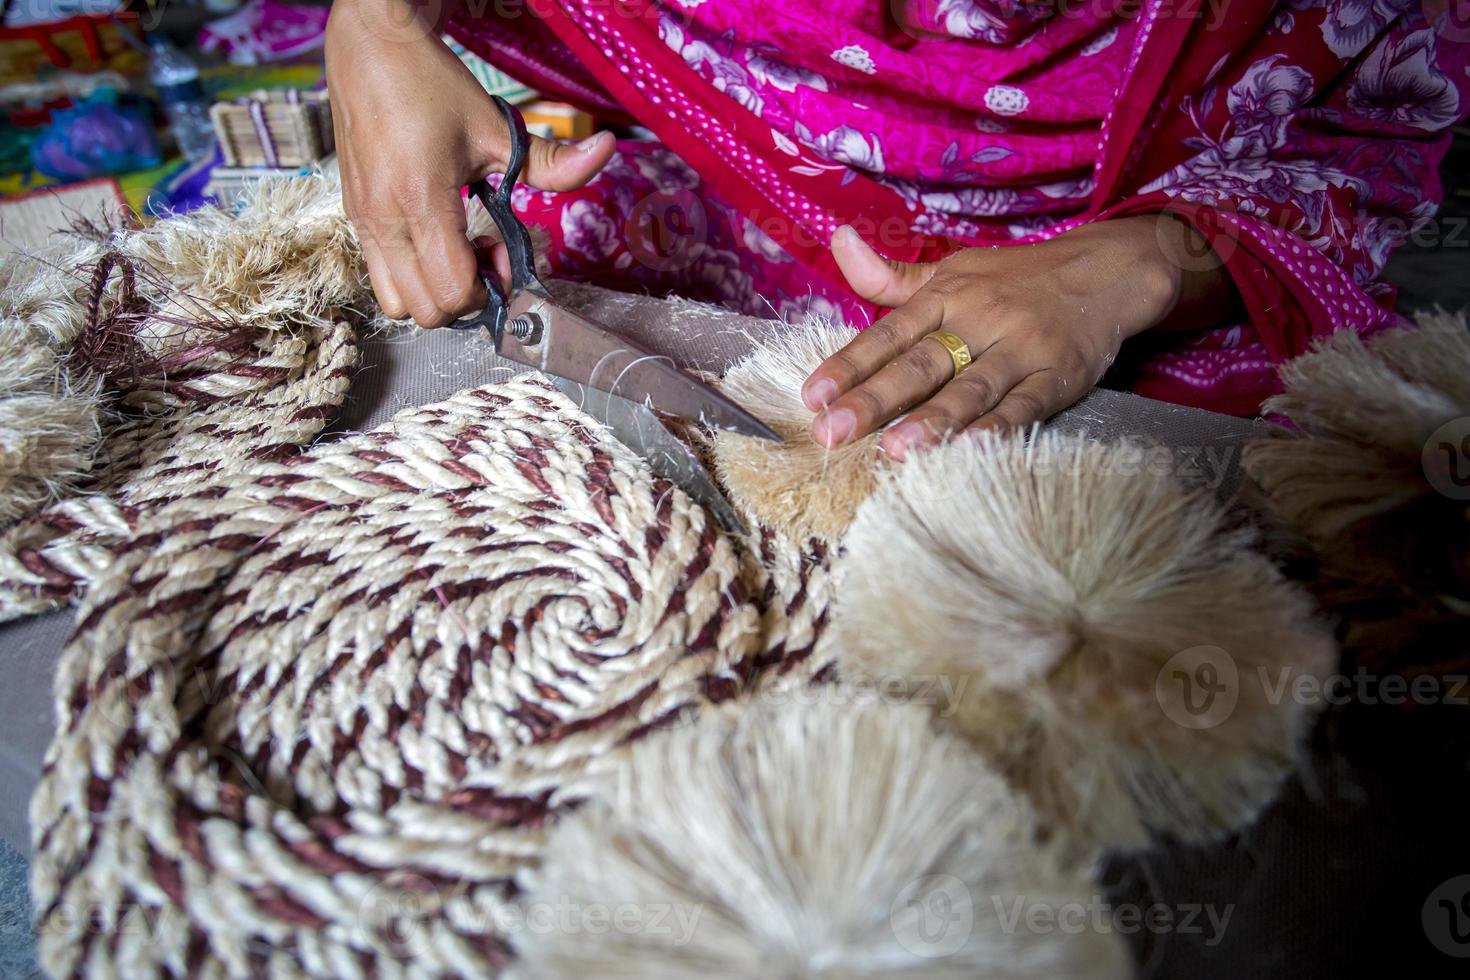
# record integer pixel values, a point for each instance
(413, 126)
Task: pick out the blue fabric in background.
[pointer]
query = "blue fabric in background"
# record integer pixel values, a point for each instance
(103, 134)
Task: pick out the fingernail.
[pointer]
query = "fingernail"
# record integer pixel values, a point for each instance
(911, 435)
(592, 142)
(834, 428)
(905, 437)
(818, 394)
(845, 232)
(989, 424)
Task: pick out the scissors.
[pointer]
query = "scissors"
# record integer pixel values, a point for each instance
(614, 379)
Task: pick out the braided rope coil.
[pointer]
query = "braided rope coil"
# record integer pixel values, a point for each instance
(259, 407)
(301, 693)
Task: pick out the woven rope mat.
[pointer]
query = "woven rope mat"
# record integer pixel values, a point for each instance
(173, 443)
(318, 712)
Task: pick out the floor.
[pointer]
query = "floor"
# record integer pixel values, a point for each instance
(17, 949)
(1435, 271)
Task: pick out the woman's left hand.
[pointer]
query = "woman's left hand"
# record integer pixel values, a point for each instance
(1043, 323)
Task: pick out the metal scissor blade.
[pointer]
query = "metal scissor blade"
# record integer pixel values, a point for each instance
(584, 351)
(640, 430)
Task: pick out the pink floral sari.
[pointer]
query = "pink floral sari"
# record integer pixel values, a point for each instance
(1302, 137)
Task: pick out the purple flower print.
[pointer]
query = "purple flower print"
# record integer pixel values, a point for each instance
(1261, 105)
(588, 230)
(1351, 25)
(1400, 84)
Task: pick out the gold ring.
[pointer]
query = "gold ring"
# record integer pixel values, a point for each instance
(959, 351)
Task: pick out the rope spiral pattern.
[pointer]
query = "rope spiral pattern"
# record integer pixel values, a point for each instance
(254, 407)
(324, 705)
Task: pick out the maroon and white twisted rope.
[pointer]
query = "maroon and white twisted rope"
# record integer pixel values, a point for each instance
(253, 407)
(329, 703)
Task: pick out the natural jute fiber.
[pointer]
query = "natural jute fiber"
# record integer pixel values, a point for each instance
(362, 708)
(827, 837)
(1102, 636)
(316, 717)
(267, 403)
(1374, 473)
(798, 486)
(138, 362)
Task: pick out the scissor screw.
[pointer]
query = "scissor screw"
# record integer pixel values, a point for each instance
(526, 328)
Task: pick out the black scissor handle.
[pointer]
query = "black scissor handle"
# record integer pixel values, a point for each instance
(517, 239)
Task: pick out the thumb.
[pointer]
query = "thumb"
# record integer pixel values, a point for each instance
(552, 166)
(871, 276)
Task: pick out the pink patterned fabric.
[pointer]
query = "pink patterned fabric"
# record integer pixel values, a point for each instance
(1301, 136)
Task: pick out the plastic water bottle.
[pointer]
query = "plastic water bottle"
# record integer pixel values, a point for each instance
(176, 78)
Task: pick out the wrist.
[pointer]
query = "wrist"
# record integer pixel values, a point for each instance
(1135, 261)
(1160, 276)
(1205, 294)
(1171, 277)
(364, 22)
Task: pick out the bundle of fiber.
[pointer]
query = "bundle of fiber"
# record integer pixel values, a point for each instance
(1118, 653)
(140, 361)
(285, 258)
(316, 717)
(259, 403)
(43, 297)
(1374, 472)
(822, 840)
(50, 421)
(48, 428)
(797, 487)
